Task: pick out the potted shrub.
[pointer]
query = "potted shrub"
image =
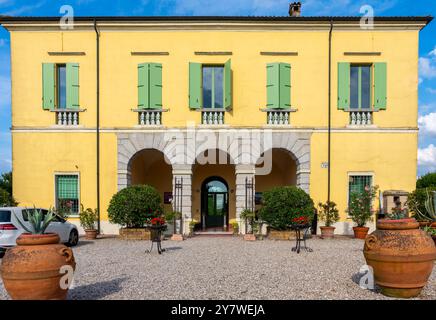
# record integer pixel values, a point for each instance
(401, 255)
(192, 225)
(234, 226)
(132, 208)
(32, 269)
(88, 219)
(176, 218)
(280, 205)
(330, 215)
(248, 217)
(360, 210)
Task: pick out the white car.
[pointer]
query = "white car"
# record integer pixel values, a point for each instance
(10, 228)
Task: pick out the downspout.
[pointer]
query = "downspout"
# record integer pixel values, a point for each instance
(97, 34)
(329, 117)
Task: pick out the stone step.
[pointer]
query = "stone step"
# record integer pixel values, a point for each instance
(213, 233)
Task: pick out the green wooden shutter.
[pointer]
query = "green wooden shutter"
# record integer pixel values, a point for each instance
(343, 85)
(72, 86)
(143, 86)
(195, 85)
(227, 85)
(380, 85)
(48, 86)
(285, 86)
(155, 91)
(273, 85)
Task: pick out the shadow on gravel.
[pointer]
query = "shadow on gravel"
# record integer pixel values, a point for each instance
(96, 290)
(172, 248)
(83, 243)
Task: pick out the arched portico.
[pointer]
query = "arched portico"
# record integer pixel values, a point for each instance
(181, 149)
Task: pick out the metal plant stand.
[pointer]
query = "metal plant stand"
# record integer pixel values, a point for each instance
(156, 237)
(299, 229)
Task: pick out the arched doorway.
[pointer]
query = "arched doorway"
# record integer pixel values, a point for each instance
(215, 203)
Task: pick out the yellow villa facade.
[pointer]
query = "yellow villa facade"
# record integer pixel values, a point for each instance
(115, 101)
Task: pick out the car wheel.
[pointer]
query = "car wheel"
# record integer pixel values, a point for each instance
(73, 238)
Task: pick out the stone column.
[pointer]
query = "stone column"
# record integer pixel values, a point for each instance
(303, 180)
(243, 171)
(183, 173)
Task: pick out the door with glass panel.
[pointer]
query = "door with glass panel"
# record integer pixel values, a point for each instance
(214, 203)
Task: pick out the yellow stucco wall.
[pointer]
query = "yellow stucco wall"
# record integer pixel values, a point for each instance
(37, 155)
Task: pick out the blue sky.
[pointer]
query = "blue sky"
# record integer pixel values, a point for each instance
(427, 50)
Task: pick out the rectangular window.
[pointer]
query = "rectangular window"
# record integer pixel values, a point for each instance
(61, 86)
(67, 194)
(213, 86)
(360, 87)
(358, 183)
(5, 216)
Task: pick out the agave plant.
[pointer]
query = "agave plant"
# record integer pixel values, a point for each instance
(430, 208)
(38, 221)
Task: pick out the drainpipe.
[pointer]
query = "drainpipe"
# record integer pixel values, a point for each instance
(329, 116)
(97, 35)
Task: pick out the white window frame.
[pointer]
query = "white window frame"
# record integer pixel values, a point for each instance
(67, 173)
(357, 173)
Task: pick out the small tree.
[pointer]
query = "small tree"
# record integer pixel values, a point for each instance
(6, 199)
(134, 206)
(6, 182)
(282, 204)
(360, 206)
(328, 213)
(426, 181)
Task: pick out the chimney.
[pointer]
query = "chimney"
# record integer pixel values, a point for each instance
(295, 9)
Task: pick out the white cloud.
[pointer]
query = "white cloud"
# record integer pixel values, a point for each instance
(426, 68)
(427, 123)
(432, 53)
(427, 158)
(431, 90)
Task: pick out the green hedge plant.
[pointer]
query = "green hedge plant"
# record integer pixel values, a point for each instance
(282, 204)
(134, 206)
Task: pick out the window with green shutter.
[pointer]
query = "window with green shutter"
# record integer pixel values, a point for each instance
(278, 85)
(210, 86)
(60, 86)
(362, 86)
(67, 193)
(357, 183)
(150, 86)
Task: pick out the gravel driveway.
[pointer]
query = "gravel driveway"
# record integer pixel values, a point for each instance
(221, 268)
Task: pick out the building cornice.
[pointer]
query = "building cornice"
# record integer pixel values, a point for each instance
(212, 23)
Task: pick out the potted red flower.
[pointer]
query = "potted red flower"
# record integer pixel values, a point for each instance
(157, 225)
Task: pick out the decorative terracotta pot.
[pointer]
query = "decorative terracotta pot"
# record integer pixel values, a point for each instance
(434, 239)
(327, 232)
(433, 225)
(401, 255)
(360, 232)
(90, 234)
(31, 270)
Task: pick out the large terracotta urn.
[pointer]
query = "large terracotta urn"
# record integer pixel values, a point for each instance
(401, 255)
(32, 269)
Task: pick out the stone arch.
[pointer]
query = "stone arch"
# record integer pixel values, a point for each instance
(298, 147)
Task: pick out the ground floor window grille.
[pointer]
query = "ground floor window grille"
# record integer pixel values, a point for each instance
(358, 184)
(67, 194)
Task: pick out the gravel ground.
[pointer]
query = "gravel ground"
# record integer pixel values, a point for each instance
(221, 268)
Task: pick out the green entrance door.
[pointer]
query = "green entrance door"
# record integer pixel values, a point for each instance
(215, 203)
